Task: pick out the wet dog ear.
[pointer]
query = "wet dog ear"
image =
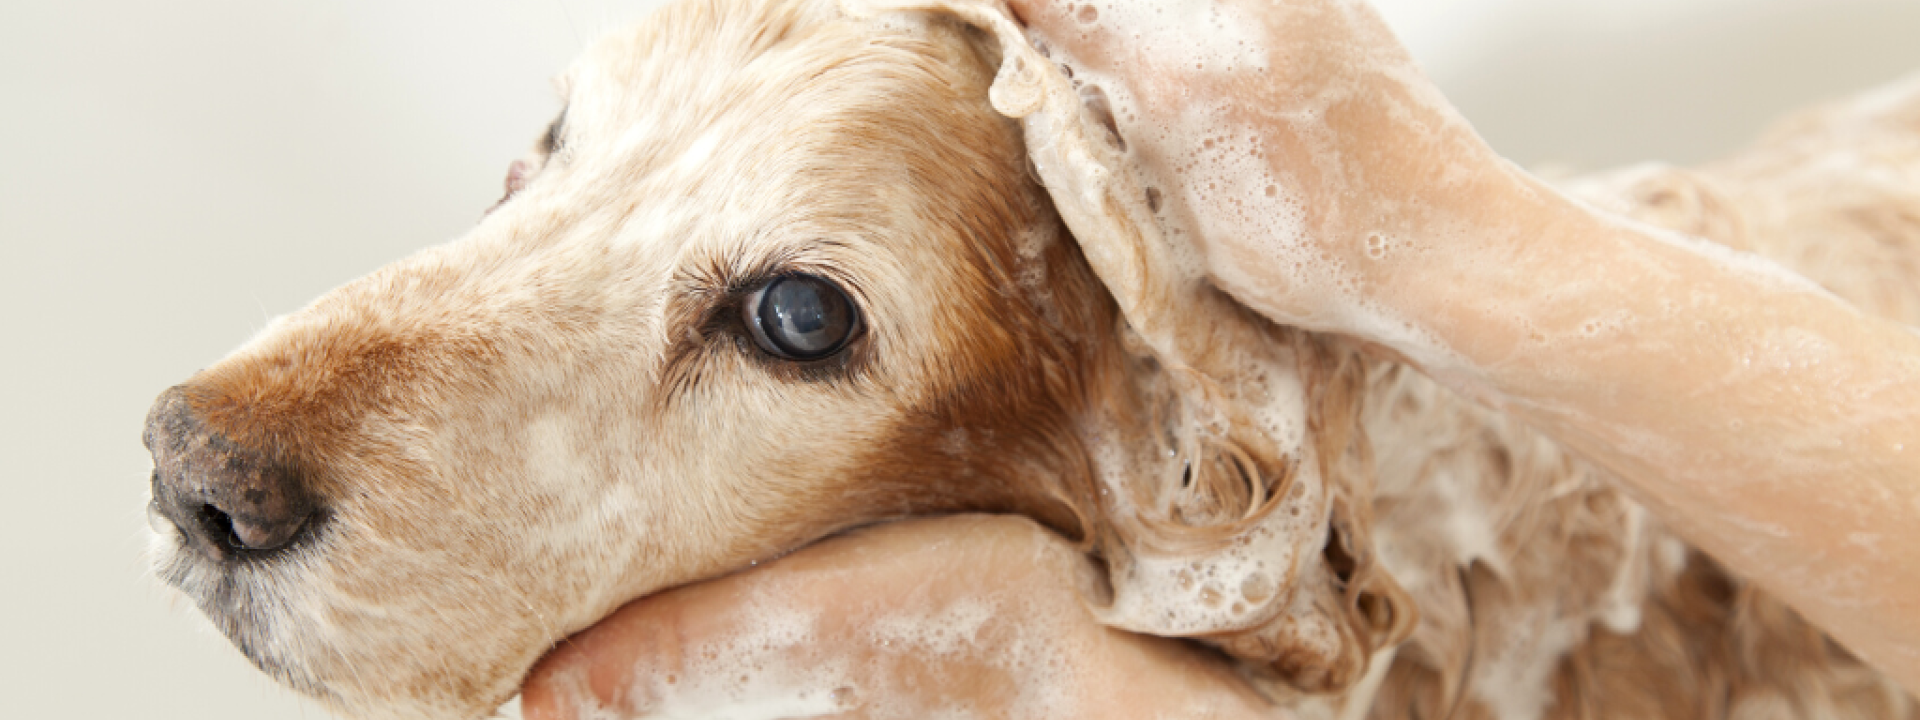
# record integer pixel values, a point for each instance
(1232, 478)
(1235, 505)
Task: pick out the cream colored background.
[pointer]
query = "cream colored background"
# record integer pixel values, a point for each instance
(172, 174)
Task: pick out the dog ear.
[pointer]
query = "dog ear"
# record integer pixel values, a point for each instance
(1233, 481)
(1236, 494)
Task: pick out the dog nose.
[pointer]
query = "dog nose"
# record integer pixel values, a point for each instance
(226, 498)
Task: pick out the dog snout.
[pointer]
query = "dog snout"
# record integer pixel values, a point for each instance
(227, 499)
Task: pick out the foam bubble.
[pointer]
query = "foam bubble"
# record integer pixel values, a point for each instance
(1191, 33)
(944, 632)
(1010, 635)
(1177, 594)
(1228, 189)
(752, 674)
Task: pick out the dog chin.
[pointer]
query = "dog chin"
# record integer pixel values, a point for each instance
(238, 599)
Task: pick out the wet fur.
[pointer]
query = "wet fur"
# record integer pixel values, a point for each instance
(514, 433)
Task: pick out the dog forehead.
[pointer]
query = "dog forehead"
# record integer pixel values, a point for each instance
(667, 93)
(718, 126)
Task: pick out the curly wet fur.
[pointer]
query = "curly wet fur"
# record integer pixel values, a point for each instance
(514, 433)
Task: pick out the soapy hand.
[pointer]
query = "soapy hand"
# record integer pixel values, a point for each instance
(976, 614)
(1295, 144)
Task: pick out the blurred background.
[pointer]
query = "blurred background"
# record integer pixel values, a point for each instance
(173, 174)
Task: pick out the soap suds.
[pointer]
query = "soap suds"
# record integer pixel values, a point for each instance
(1178, 594)
(752, 675)
(782, 662)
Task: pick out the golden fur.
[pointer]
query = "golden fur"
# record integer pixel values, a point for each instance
(515, 433)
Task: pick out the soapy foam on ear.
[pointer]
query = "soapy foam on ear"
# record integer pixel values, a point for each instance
(1174, 594)
(1177, 589)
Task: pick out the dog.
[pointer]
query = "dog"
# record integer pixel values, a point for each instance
(779, 270)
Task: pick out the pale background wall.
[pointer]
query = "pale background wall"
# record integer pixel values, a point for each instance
(172, 174)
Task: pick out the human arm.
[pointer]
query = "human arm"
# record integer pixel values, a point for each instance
(1764, 420)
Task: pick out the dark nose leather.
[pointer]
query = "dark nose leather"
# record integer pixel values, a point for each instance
(227, 499)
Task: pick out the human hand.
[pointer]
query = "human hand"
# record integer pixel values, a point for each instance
(1296, 145)
(975, 614)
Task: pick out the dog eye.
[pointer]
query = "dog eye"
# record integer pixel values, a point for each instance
(801, 317)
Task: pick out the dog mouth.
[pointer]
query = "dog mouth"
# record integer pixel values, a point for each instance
(234, 587)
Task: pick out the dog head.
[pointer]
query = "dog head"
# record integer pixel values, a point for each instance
(776, 271)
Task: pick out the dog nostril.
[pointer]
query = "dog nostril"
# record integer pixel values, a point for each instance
(226, 498)
(218, 526)
(232, 534)
(237, 521)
